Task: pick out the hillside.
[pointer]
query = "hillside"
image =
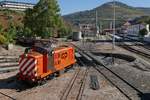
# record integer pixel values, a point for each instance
(105, 13)
(7, 16)
(145, 10)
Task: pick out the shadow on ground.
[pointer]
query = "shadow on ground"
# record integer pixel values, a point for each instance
(116, 55)
(13, 83)
(145, 96)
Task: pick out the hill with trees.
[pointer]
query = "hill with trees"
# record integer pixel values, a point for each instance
(105, 13)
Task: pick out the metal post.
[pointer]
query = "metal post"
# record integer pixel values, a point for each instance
(114, 24)
(96, 23)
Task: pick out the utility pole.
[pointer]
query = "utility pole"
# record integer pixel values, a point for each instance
(114, 29)
(111, 25)
(114, 25)
(96, 23)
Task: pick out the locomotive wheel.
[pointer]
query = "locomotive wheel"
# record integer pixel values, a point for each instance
(41, 82)
(67, 69)
(71, 67)
(57, 74)
(62, 72)
(51, 76)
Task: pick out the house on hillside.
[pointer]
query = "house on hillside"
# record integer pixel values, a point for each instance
(88, 29)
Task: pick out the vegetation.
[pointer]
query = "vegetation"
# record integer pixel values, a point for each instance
(44, 19)
(2, 39)
(105, 11)
(1, 28)
(144, 20)
(143, 32)
(9, 16)
(9, 35)
(65, 30)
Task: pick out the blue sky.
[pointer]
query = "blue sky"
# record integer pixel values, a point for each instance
(70, 6)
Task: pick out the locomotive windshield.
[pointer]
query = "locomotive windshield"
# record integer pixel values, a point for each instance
(44, 46)
(43, 50)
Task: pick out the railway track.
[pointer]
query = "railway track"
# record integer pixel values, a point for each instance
(75, 88)
(73, 91)
(141, 52)
(127, 89)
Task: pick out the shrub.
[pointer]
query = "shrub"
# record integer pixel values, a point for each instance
(10, 34)
(2, 39)
(143, 32)
(27, 32)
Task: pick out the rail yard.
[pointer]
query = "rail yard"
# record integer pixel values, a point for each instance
(93, 76)
(47, 53)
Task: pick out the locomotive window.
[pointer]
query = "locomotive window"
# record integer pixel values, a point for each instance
(40, 50)
(51, 53)
(27, 50)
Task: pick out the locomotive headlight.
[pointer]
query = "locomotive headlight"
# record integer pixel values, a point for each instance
(35, 69)
(26, 55)
(36, 75)
(33, 80)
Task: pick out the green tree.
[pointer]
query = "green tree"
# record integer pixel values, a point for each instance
(2, 37)
(10, 35)
(1, 28)
(19, 30)
(44, 19)
(27, 32)
(142, 33)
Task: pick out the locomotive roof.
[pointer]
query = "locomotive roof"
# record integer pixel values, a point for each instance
(62, 48)
(45, 48)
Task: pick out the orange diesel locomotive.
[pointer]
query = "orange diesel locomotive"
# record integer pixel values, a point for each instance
(39, 62)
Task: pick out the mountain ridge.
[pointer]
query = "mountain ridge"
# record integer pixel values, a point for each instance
(124, 12)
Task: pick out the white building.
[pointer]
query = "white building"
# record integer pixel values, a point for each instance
(21, 6)
(88, 29)
(132, 30)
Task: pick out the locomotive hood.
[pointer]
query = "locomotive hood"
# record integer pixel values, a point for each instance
(28, 63)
